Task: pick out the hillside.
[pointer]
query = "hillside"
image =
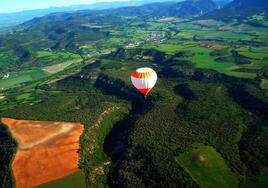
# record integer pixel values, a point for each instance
(184, 9)
(72, 38)
(240, 9)
(191, 8)
(8, 21)
(184, 111)
(71, 30)
(205, 122)
(222, 3)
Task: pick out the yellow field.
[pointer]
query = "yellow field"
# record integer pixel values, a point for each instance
(53, 69)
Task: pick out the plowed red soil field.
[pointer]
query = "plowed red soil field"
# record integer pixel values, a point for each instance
(46, 150)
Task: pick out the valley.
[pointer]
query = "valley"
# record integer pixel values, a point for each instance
(203, 125)
(239, 50)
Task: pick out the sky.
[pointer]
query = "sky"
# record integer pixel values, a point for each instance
(20, 5)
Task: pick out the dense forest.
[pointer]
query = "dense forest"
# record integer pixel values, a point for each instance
(7, 149)
(187, 108)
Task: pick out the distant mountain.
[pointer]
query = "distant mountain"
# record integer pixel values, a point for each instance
(239, 9)
(222, 3)
(184, 9)
(12, 19)
(9, 19)
(192, 8)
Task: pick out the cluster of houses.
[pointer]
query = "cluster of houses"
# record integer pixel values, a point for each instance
(152, 37)
(6, 76)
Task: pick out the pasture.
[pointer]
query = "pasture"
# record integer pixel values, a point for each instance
(53, 69)
(171, 48)
(76, 179)
(56, 55)
(202, 58)
(51, 57)
(264, 84)
(206, 166)
(23, 76)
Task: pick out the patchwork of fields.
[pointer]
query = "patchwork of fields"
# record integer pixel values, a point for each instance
(53, 63)
(206, 39)
(86, 77)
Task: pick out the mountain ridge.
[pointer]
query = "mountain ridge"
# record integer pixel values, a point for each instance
(14, 18)
(184, 9)
(238, 9)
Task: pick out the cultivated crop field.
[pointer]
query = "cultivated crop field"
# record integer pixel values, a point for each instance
(51, 147)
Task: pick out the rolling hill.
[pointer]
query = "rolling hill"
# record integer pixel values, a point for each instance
(204, 124)
(184, 9)
(239, 9)
(9, 20)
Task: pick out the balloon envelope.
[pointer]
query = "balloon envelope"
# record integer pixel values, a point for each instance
(144, 79)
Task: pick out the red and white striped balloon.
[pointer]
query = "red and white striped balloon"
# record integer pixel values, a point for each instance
(144, 79)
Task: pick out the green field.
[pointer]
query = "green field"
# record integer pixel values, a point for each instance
(264, 84)
(171, 48)
(23, 96)
(206, 166)
(56, 55)
(24, 76)
(76, 179)
(53, 69)
(203, 59)
(36, 73)
(253, 53)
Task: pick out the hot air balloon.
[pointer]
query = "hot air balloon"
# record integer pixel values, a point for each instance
(144, 79)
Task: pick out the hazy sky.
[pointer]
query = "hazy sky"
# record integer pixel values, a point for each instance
(19, 5)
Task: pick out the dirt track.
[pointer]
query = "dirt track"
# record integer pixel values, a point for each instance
(46, 150)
